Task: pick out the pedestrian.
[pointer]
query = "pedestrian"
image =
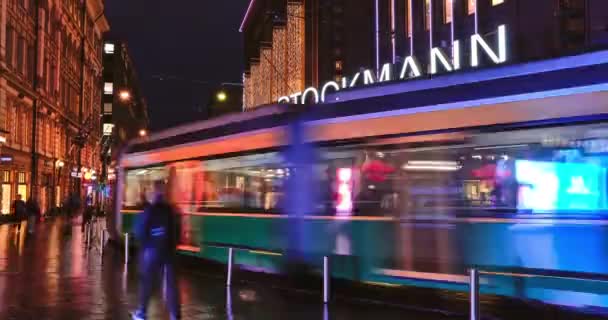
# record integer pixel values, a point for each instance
(33, 213)
(19, 211)
(156, 232)
(72, 208)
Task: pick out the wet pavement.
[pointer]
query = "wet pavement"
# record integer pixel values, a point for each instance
(53, 276)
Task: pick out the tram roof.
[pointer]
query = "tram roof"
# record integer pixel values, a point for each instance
(549, 78)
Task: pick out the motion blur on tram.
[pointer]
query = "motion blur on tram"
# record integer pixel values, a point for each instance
(412, 208)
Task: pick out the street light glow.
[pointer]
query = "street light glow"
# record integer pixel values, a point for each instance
(221, 96)
(143, 133)
(124, 95)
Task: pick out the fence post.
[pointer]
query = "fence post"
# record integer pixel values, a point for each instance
(326, 279)
(126, 248)
(474, 294)
(229, 276)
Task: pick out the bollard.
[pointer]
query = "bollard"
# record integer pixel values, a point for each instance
(164, 271)
(229, 276)
(325, 279)
(87, 235)
(474, 294)
(103, 241)
(126, 248)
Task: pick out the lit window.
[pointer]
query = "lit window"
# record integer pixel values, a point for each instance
(21, 177)
(107, 129)
(107, 108)
(471, 6)
(339, 65)
(497, 2)
(108, 88)
(447, 9)
(108, 48)
(427, 9)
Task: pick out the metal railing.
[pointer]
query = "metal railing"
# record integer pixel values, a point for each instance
(475, 272)
(95, 229)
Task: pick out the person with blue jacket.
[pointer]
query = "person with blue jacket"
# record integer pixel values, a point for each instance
(157, 236)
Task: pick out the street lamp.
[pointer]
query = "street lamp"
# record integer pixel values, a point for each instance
(124, 95)
(143, 133)
(221, 96)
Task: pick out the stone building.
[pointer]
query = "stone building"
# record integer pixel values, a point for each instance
(50, 89)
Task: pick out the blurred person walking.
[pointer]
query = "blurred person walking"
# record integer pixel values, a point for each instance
(33, 213)
(72, 205)
(157, 234)
(19, 211)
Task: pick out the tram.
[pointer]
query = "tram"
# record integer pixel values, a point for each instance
(493, 168)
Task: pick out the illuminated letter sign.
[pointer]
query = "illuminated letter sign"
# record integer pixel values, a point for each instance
(439, 61)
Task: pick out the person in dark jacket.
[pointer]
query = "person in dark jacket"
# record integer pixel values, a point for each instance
(33, 213)
(19, 211)
(156, 233)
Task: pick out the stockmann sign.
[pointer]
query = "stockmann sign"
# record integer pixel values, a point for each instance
(410, 68)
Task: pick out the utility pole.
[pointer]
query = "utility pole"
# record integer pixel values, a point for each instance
(35, 101)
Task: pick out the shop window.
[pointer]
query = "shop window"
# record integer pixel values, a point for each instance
(447, 11)
(6, 198)
(409, 17)
(6, 176)
(22, 190)
(471, 6)
(497, 2)
(428, 19)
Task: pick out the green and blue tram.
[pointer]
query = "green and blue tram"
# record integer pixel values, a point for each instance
(494, 168)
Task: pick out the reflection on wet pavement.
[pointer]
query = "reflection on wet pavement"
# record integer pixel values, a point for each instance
(52, 276)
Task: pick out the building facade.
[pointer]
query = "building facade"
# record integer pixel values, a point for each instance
(125, 112)
(50, 94)
(293, 45)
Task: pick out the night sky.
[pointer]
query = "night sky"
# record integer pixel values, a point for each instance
(184, 42)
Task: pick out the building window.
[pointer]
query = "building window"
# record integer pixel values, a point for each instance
(107, 108)
(447, 11)
(427, 15)
(20, 55)
(107, 129)
(31, 63)
(10, 39)
(22, 190)
(497, 2)
(21, 177)
(108, 88)
(339, 65)
(108, 48)
(471, 6)
(6, 176)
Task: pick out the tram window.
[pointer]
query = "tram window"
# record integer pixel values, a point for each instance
(139, 186)
(559, 171)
